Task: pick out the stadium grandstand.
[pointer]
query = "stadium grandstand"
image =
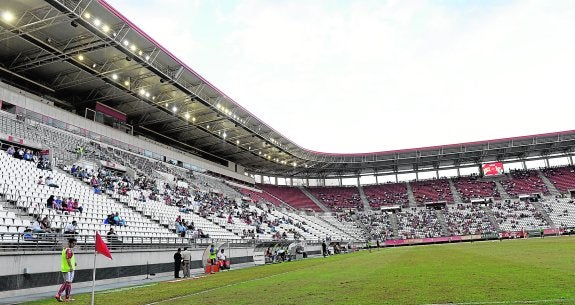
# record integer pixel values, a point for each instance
(102, 129)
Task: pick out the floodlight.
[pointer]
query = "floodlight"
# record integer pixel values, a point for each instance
(115, 76)
(97, 22)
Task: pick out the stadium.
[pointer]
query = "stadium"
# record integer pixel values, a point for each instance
(104, 132)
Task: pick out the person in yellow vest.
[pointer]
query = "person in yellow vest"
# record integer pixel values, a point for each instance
(213, 255)
(68, 265)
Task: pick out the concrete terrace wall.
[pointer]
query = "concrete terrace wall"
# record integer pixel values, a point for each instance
(26, 272)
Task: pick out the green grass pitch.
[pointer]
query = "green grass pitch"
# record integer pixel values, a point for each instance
(526, 271)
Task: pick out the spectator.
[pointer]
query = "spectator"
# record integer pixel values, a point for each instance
(111, 236)
(28, 155)
(10, 151)
(58, 203)
(50, 182)
(77, 206)
(110, 219)
(222, 260)
(50, 202)
(119, 221)
(20, 153)
(45, 225)
(71, 228)
(40, 180)
(37, 226)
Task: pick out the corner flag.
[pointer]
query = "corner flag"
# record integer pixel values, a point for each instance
(101, 246)
(102, 249)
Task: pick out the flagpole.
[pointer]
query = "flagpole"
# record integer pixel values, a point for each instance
(94, 277)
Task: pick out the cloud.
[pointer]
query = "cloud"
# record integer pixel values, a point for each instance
(362, 76)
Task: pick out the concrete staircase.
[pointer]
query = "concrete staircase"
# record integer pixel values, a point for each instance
(410, 196)
(442, 222)
(364, 200)
(456, 196)
(394, 225)
(492, 218)
(544, 214)
(315, 200)
(501, 190)
(550, 186)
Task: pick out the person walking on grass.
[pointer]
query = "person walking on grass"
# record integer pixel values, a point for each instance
(68, 265)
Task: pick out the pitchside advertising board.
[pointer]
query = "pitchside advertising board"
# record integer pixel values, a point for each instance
(492, 169)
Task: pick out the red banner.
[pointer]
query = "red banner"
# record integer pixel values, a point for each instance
(493, 169)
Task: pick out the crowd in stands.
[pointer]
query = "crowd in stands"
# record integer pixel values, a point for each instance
(27, 154)
(418, 222)
(524, 182)
(562, 177)
(379, 225)
(291, 195)
(338, 199)
(465, 219)
(60, 204)
(390, 194)
(518, 215)
(472, 187)
(435, 190)
(174, 186)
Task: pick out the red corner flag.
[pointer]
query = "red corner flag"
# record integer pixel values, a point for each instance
(101, 246)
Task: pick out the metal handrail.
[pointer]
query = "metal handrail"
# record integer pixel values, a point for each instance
(33, 242)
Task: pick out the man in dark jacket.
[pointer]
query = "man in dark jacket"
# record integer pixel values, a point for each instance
(177, 263)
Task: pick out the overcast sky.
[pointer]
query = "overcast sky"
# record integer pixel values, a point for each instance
(360, 76)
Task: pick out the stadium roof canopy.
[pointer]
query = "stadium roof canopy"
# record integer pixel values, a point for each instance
(82, 52)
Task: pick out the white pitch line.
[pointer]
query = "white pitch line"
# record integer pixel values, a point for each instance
(554, 301)
(220, 287)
